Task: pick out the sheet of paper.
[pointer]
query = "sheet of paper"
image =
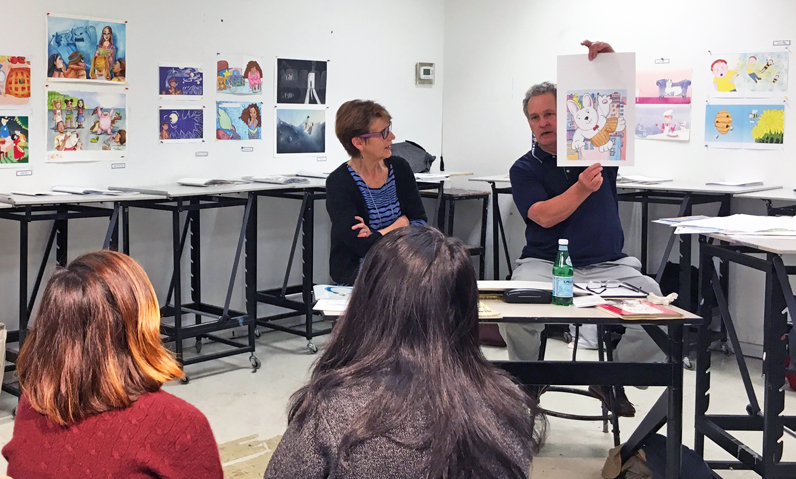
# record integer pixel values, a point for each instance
(497, 285)
(588, 301)
(330, 291)
(596, 107)
(621, 291)
(331, 305)
(748, 224)
(643, 179)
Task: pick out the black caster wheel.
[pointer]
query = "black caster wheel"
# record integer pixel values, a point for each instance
(257, 333)
(688, 364)
(567, 337)
(185, 380)
(749, 410)
(255, 362)
(198, 346)
(14, 413)
(725, 349)
(313, 348)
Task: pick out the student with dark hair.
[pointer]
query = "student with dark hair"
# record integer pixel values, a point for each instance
(371, 194)
(91, 372)
(402, 390)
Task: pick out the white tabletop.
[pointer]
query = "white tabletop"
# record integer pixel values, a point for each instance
(696, 187)
(175, 190)
(783, 194)
(66, 198)
(492, 179)
(771, 244)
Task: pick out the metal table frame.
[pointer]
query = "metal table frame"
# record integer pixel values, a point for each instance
(769, 420)
(224, 318)
(59, 214)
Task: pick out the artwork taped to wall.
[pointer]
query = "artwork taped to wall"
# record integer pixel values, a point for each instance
(663, 122)
(14, 80)
(749, 75)
(14, 141)
(670, 86)
(748, 125)
(180, 83)
(238, 120)
(596, 109)
(300, 131)
(86, 125)
(181, 125)
(240, 76)
(301, 81)
(87, 49)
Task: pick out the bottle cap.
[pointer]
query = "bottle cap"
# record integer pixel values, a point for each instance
(564, 242)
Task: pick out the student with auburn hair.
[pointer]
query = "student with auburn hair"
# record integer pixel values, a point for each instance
(402, 389)
(91, 372)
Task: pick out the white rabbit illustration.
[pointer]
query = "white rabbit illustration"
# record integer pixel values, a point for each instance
(593, 125)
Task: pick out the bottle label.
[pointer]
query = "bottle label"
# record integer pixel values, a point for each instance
(562, 286)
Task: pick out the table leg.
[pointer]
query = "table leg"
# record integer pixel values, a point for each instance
(495, 241)
(674, 424)
(775, 327)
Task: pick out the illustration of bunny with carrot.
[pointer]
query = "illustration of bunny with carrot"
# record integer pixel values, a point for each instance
(593, 125)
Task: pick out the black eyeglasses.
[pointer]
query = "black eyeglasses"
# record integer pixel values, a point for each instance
(599, 287)
(383, 133)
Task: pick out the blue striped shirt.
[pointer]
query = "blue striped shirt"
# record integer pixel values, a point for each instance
(382, 203)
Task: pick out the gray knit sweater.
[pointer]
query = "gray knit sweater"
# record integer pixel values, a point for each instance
(310, 451)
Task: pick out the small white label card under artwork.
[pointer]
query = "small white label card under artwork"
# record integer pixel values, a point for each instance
(596, 107)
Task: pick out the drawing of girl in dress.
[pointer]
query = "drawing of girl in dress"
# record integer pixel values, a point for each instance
(251, 116)
(104, 56)
(255, 75)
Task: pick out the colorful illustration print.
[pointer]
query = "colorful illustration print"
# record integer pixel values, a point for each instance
(300, 131)
(13, 140)
(663, 86)
(301, 81)
(745, 126)
(84, 120)
(246, 79)
(14, 80)
(81, 49)
(596, 129)
(663, 122)
(238, 120)
(181, 81)
(181, 124)
(755, 74)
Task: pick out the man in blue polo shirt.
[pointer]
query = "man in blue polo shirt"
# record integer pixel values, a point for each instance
(578, 204)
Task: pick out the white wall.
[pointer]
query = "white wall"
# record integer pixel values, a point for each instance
(494, 51)
(372, 46)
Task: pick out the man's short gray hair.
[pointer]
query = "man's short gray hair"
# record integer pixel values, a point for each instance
(536, 90)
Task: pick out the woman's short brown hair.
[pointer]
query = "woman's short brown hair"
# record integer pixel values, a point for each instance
(95, 344)
(354, 119)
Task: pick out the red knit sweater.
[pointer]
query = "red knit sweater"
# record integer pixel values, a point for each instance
(159, 436)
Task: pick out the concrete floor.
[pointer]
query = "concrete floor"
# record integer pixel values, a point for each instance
(247, 411)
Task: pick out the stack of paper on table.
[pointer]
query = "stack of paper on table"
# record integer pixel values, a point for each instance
(737, 225)
(35, 193)
(82, 190)
(204, 182)
(331, 305)
(641, 179)
(277, 179)
(738, 184)
(431, 177)
(312, 174)
(500, 286)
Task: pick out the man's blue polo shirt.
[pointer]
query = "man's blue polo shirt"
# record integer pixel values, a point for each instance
(593, 230)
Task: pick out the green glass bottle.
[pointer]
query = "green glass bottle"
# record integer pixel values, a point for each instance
(562, 275)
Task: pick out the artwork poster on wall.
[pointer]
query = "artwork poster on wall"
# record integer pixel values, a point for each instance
(596, 109)
(748, 75)
(300, 131)
(181, 125)
(180, 83)
(663, 99)
(239, 120)
(14, 80)
(14, 140)
(239, 76)
(301, 81)
(745, 124)
(86, 125)
(86, 49)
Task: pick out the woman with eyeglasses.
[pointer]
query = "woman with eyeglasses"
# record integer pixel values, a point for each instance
(402, 389)
(371, 194)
